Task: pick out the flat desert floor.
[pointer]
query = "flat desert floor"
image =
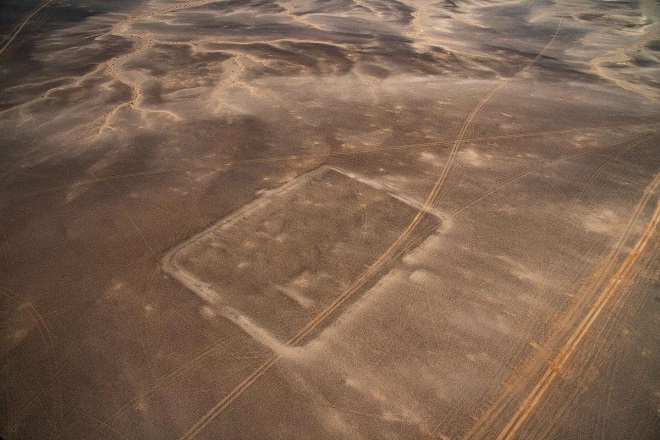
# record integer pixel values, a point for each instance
(329, 219)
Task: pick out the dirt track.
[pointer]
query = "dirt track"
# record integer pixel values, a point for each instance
(329, 220)
(13, 33)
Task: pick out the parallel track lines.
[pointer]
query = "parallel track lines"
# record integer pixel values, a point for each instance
(597, 277)
(602, 342)
(375, 267)
(496, 408)
(229, 398)
(555, 367)
(288, 158)
(21, 24)
(560, 360)
(531, 171)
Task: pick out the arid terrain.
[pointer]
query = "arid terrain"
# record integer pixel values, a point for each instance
(329, 219)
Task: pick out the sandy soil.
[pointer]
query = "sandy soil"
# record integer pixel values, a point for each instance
(329, 219)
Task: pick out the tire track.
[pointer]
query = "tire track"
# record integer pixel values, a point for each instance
(467, 125)
(376, 266)
(229, 398)
(55, 385)
(325, 155)
(603, 343)
(534, 316)
(601, 167)
(484, 424)
(607, 160)
(557, 364)
(21, 24)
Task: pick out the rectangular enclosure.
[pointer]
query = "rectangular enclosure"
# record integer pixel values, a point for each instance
(280, 260)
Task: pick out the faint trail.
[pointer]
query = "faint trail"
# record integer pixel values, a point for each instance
(531, 171)
(475, 111)
(374, 268)
(100, 422)
(602, 342)
(484, 424)
(229, 398)
(230, 163)
(555, 367)
(56, 386)
(123, 206)
(19, 27)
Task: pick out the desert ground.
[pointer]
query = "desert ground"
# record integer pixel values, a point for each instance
(329, 219)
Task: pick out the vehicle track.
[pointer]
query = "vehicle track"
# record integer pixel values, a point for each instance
(595, 169)
(288, 158)
(20, 25)
(557, 364)
(600, 355)
(485, 424)
(375, 267)
(595, 174)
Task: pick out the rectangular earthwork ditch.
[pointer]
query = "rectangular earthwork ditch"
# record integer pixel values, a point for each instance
(279, 261)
